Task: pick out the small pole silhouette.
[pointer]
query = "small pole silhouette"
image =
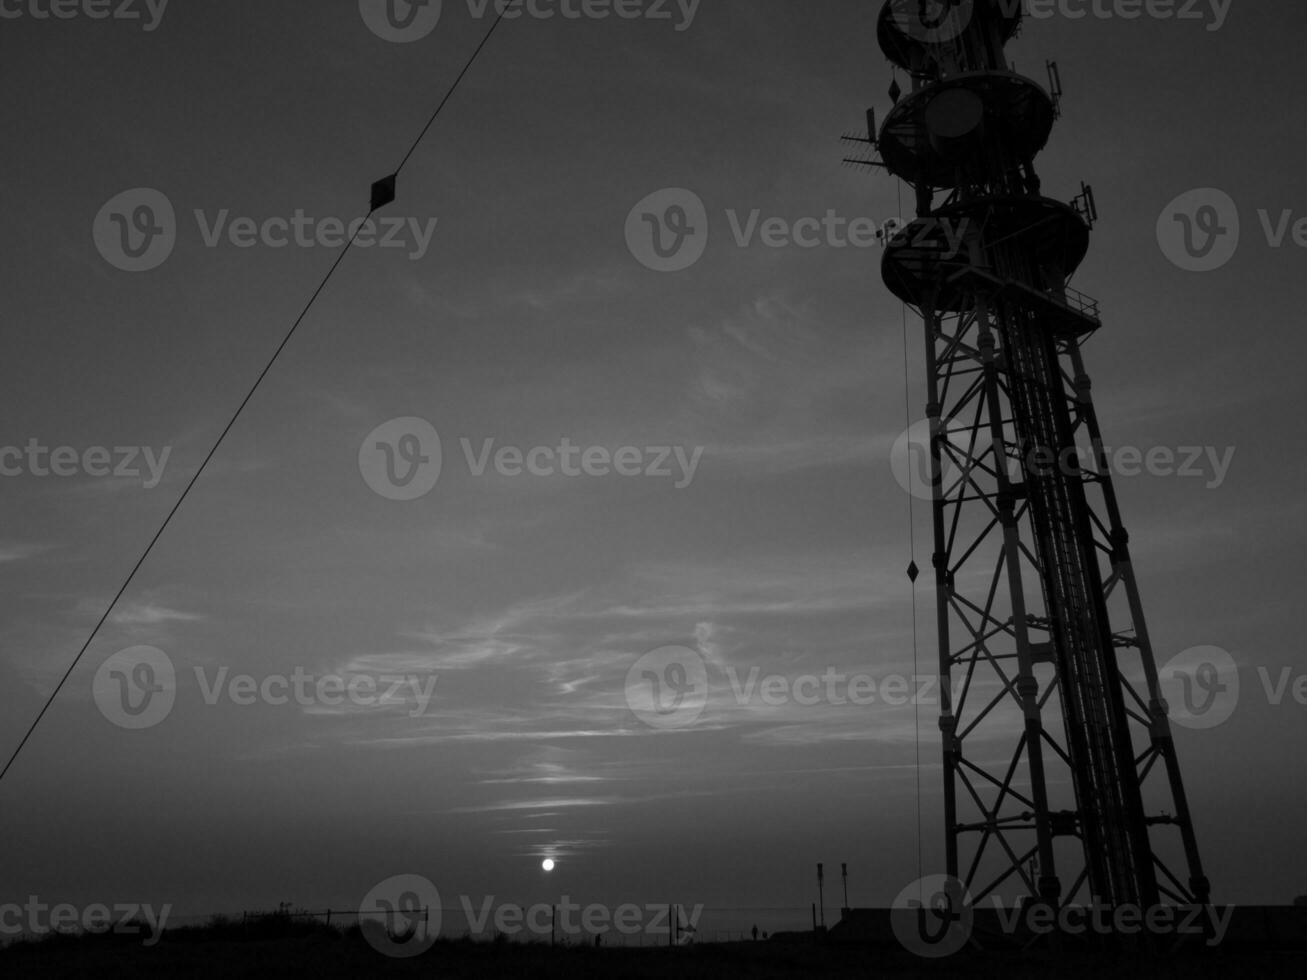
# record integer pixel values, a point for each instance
(821, 896)
(844, 873)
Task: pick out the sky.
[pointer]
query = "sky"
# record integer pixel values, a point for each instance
(753, 398)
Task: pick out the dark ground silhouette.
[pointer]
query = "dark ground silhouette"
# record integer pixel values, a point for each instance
(227, 951)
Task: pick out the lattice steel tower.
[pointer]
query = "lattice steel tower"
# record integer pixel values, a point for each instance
(1061, 781)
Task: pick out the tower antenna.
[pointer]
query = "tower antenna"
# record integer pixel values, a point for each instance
(1061, 781)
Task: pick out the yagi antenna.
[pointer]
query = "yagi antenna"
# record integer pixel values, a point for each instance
(868, 140)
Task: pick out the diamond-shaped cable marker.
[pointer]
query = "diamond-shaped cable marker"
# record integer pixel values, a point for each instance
(895, 91)
(383, 192)
(913, 572)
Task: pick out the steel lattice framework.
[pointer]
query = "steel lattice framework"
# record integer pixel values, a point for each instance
(1061, 781)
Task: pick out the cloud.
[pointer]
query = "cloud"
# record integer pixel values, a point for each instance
(514, 806)
(150, 614)
(13, 551)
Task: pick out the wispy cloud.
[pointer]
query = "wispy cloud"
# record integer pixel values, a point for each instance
(150, 614)
(514, 806)
(13, 551)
